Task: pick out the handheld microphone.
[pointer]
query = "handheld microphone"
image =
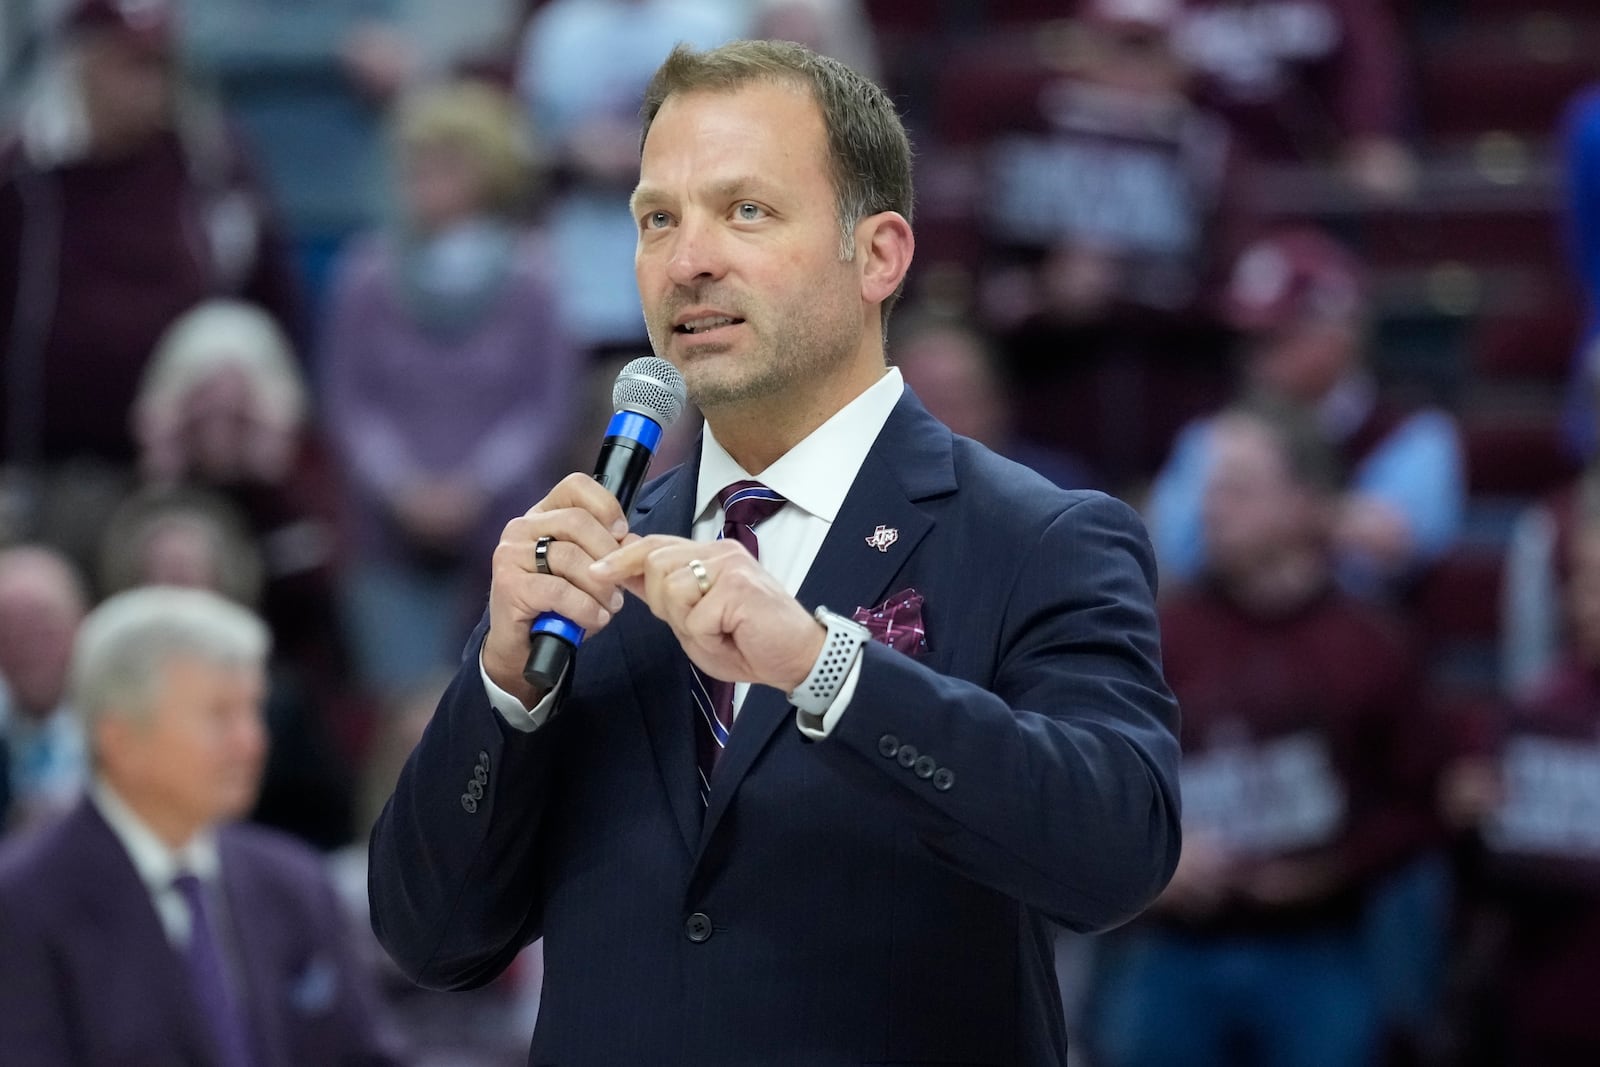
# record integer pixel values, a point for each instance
(648, 397)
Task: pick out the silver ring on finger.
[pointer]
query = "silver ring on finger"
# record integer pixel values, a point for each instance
(541, 555)
(701, 578)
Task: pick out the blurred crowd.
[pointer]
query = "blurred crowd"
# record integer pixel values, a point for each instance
(302, 300)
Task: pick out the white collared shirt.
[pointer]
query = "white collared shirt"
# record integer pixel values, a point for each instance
(813, 477)
(157, 864)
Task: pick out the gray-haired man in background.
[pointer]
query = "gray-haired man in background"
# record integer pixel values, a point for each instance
(147, 927)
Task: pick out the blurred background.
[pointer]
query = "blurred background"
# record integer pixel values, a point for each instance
(302, 300)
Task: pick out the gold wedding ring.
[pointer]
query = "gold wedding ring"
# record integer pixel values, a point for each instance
(541, 555)
(701, 578)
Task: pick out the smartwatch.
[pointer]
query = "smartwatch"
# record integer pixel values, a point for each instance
(839, 651)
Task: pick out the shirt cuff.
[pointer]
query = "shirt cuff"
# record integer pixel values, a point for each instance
(512, 710)
(818, 728)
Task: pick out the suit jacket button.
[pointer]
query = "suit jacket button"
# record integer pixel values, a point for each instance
(469, 802)
(480, 774)
(924, 766)
(888, 745)
(483, 758)
(943, 779)
(475, 790)
(698, 928)
(907, 756)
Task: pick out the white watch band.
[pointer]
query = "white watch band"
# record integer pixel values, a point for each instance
(839, 651)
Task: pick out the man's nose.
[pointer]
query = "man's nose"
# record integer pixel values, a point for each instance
(697, 253)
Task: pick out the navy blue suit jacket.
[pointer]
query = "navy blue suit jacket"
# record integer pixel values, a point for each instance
(88, 977)
(831, 905)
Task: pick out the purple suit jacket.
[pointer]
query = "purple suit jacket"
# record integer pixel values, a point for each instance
(88, 977)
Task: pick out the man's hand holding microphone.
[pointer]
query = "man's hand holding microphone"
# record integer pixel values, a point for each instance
(562, 567)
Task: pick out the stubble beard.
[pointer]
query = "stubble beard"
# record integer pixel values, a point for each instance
(771, 369)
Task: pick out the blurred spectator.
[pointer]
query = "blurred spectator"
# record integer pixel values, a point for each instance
(583, 70)
(310, 81)
(837, 28)
(456, 37)
(1580, 150)
(954, 371)
(450, 385)
(146, 926)
(1108, 169)
(222, 405)
(184, 537)
(194, 539)
(1299, 298)
(221, 400)
(1094, 197)
(1308, 775)
(1310, 80)
(42, 602)
(124, 200)
(1539, 548)
(1530, 789)
(1533, 612)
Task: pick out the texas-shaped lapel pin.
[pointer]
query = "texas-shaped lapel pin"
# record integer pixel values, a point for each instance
(883, 537)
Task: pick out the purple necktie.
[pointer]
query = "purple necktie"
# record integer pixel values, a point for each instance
(744, 506)
(212, 987)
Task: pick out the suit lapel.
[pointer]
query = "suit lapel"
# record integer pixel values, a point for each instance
(255, 945)
(910, 462)
(651, 652)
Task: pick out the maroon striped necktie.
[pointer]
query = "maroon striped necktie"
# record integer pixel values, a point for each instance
(744, 506)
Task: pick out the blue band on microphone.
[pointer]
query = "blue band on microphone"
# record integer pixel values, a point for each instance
(635, 427)
(554, 625)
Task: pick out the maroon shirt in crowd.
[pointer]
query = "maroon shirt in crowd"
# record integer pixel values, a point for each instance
(1298, 78)
(1097, 219)
(103, 256)
(1038, 159)
(1304, 736)
(1542, 850)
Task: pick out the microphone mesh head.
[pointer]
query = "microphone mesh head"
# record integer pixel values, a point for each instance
(652, 387)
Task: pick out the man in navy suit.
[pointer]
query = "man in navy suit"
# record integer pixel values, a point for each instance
(862, 868)
(145, 930)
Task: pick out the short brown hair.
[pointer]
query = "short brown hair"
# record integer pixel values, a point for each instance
(869, 154)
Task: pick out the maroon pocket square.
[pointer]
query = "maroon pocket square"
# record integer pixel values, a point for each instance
(897, 622)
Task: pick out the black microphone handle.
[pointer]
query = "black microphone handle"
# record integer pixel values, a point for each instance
(621, 468)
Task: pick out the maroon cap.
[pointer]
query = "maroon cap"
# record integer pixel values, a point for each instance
(150, 22)
(1291, 276)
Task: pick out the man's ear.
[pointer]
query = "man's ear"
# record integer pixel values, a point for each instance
(114, 736)
(884, 244)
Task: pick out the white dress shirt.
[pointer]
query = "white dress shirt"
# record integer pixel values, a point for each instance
(813, 477)
(157, 864)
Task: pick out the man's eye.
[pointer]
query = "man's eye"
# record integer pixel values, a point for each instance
(749, 211)
(656, 220)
